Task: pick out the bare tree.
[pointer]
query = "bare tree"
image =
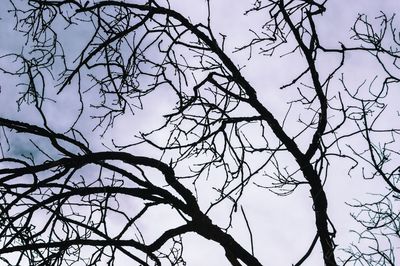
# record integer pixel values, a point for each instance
(379, 158)
(64, 196)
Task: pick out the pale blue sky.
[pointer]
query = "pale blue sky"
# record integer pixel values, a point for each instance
(283, 227)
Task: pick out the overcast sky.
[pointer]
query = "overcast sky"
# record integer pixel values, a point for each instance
(283, 227)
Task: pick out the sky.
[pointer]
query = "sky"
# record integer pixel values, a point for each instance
(283, 227)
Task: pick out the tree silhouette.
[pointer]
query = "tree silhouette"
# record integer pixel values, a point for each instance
(72, 196)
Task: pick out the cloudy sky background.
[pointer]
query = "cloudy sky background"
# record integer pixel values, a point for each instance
(282, 227)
